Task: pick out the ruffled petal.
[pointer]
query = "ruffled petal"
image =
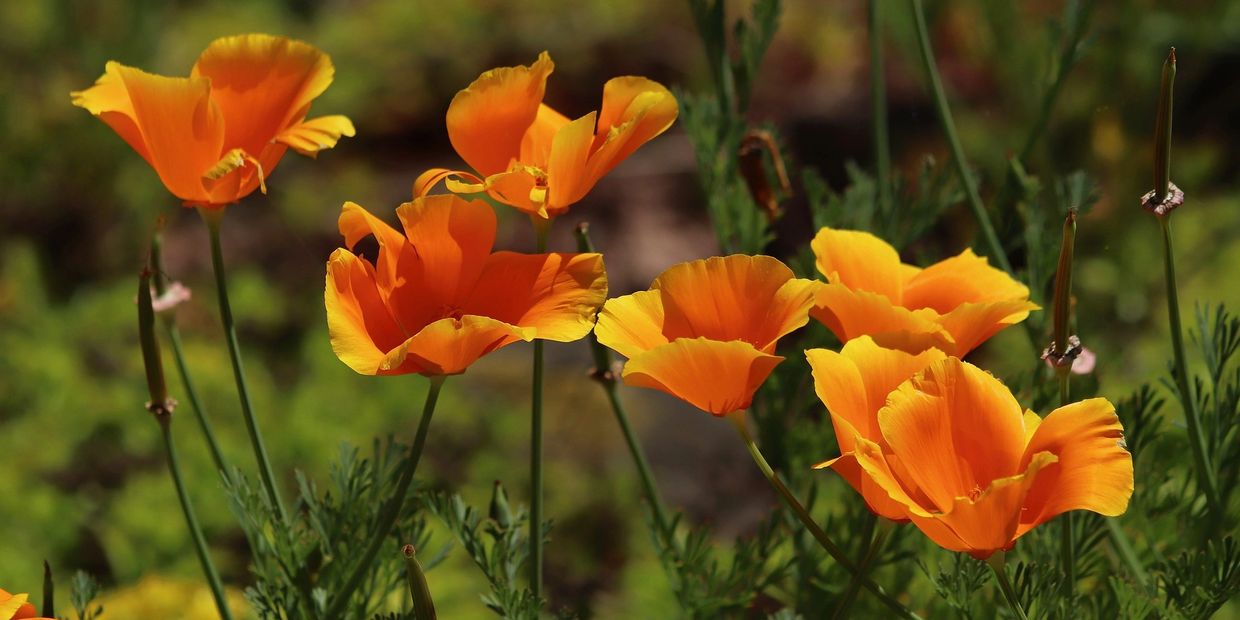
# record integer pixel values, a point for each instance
(1094, 471)
(852, 313)
(860, 261)
(716, 377)
(971, 324)
(317, 134)
(632, 324)
(962, 279)
(487, 121)
(429, 179)
(557, 295)
(361, 327)
(356, 223)
(635, 110)
(449, 346)
(520, 188)
(567, 182)
(958, 429)
(452, 238)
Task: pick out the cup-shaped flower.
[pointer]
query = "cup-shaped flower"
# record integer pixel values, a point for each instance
(973, 471)
(17, 607)
(706, 330)
(526, 154)
(953, 305)
(436, 298)
(214, 136)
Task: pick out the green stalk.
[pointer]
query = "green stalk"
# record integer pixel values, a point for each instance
(212, 217)
(1196, 439)
(174, 336)
(878, 103)
(390, 511)
(1061, 359)
(1162, 130)
(949, 127)
(877, 531)
(1122, 546)
(419, 590)
(738, 420)
(541, 226)
(996, 561)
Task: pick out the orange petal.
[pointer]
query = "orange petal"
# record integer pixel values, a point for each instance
(632, 324)
(716, 377)
(263, 85)
(356, 223)
(957, 427)
(852, 313)
(963, 279)
(536, 144)
(429, 179)
(109, 100)
(361, 326)
(519, 188)
(557, 295)
(854, 384)
(884, 473)
(310, 137)
(751, 298)
(972, 324)
(452, 238)
(566, 168)
(875, 496)
(635, 110)
(449, 346)
(860, 261)
(488, 120)
(1094, 471)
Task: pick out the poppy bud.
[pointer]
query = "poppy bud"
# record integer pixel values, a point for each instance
(1165, 196)
(1064, 347)
(423, 606)
(753, 169)
(160, 404)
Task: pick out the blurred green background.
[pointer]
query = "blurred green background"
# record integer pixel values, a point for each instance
(83, 481)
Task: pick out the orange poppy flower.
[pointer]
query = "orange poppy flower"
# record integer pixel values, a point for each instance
(956, 455)
(213, 137)
(706, 330)
(436, 299)
(526, 154)
(953, 305)
(15, 607)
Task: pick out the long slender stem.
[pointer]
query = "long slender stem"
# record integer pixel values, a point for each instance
(191, 519)
(996, 562)
(949, 127)
(738, 420)
(212, 217)
(1196, 440)
(536, 444)
(878, 106)
(390, 511)
(1122, 546)
(877, 531)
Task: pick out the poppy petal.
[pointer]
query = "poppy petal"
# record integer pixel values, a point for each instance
(860, 261)
(449, 346)
(536, 144)
(884, 471)
(109, 100)
(962, 279)
(875, 496)
(519, 188)
(362, 328)
(452, 238)
(716, 377)
(557, 295)
(429, 179)
(317, 134)
(971, 324)
(957, 427)
(356, 223)
(852, 313)
(632, 324)
(1094, 471)
(488, 120)
(635, 110)
(566, 167)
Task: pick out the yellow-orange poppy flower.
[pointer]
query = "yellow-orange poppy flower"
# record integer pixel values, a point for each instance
(436, 298)
(953, 305)
(214, 136)
(16, 607)
(955, 452)
(526, 154)
(706, 330)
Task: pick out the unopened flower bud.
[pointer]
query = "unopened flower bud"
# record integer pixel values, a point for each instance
(753, 169)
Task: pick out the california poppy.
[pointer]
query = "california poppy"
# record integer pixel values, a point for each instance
(955, 454)
(214, 136)
(16, 607)
(436, 298)
(706, 330)
(526, 154)
(953, 305)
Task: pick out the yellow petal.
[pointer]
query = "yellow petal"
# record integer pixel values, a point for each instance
(488, 120)
(361, 327)
(852, 313)
(632, 324)
(557, 295)
(310, 137)
(716, 377)
(860, 261)
(429, 179)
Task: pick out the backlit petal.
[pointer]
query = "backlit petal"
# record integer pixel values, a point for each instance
(566, 167)
(875, 496)
(488, 120)
(555, 294)
(536, 144)
(972, 324)
(356, 223)
(963, 279)
(452, 238)
(716, 377)
(109, 100)
(859, 261)
(361, 327)
(632, 324)
(852, 313)
(519, 188)
(1094, 471)
(957, 427)
(310, 137)
(634, 111)
(449, 346)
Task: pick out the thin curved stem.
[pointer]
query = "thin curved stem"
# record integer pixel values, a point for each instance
(541, 227)
(390, 511)
(738, 420)
(212, 217)
(191, 519)
(878, 530)
(996, 562)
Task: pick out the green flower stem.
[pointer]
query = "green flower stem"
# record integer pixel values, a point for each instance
(191, 520)
(174, 336)
(419, 590)
(1123, 548)
(996, 561)
(738, 420)
(541, 227)
(1205, 474)
(878, 105)
(877, 531)
(390, 511)
(949, 127)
